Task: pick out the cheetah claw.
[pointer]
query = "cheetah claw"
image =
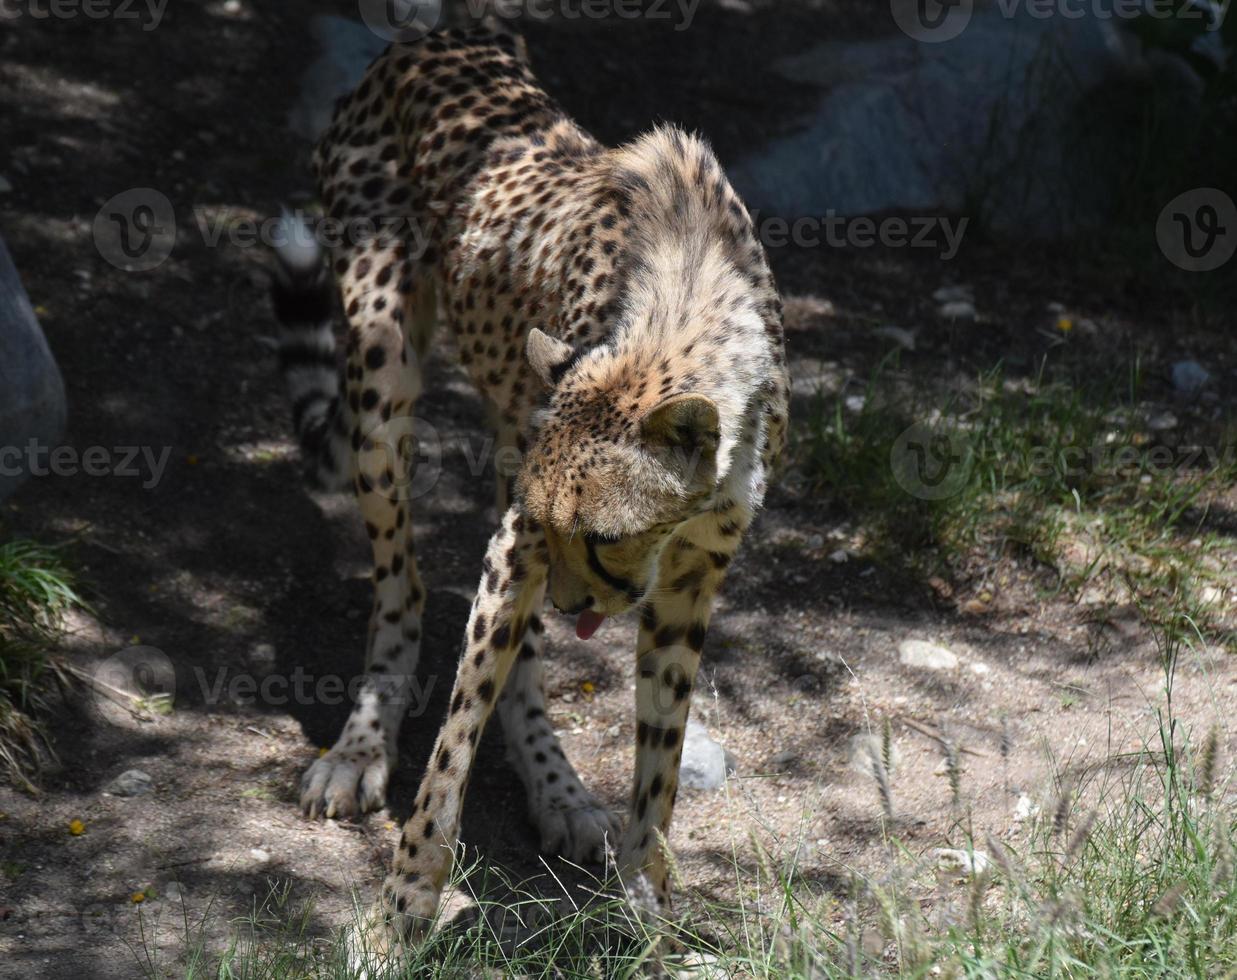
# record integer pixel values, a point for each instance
(346, 784)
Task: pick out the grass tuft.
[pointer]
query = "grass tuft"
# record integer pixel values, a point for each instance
(36, 591)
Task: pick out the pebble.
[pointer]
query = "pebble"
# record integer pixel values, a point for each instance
(1162, 422)
(839, 557)
(705, 763)
(1189, 377)
(968, 862)
(953, 294)
(929, 656)
(131, 782)
(957, 310)
(172, 892)
(1024, 809)
(259, 855)
(899, 335)
(815, 541)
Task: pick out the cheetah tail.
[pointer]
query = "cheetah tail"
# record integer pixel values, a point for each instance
(304, 299)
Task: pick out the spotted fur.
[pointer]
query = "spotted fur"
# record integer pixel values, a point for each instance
(616, 310)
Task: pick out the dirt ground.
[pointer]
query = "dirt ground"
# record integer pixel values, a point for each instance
(232, 569)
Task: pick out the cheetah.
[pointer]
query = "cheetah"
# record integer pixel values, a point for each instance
(615, 309)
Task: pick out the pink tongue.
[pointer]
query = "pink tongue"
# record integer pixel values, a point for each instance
(588, 622)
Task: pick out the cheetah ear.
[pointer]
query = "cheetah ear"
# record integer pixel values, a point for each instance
(687, 425)
(548, 356)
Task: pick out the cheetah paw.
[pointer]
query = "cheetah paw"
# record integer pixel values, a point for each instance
(346, 783)
(401, 918)
(578, 830)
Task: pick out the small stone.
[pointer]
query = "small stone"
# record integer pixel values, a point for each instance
(705, 763)
(954, 294)
(899, 335)
(262, 658)
(259, 855)
(839, 557)
(815, 541)
(957, 310)
(1189, 377)
(1024, 809)
(855, 403)
(784, 759)
(131, 782)
(1162, 422)
(970, 863)
(929, 656)
(980, 669)
(172, 892)
(1056, 309)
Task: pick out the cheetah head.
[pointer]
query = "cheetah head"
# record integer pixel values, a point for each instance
(615, 465)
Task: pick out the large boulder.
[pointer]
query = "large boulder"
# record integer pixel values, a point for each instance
(32, 405)
(999, 122)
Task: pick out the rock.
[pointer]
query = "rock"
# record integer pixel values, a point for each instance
(970, 863)
(172, 891)
(705, 763)
(1162, 422)
(957, 310)
(1024, 809)
(784, 759)
(974, 125)
(815, 541)
(855, 403)
(839, 557)
(1189, 377)
(131, 782)
(32, 405)
(900, 336)
(980, 669)
(954, 294)
(262, 658)
(259, 855)
(927, 656)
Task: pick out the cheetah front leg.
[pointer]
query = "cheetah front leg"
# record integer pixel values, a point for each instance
(672, 630)
(515, 577)
(571, 822)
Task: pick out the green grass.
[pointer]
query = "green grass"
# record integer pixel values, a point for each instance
(36, 590)
(1064, 473)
